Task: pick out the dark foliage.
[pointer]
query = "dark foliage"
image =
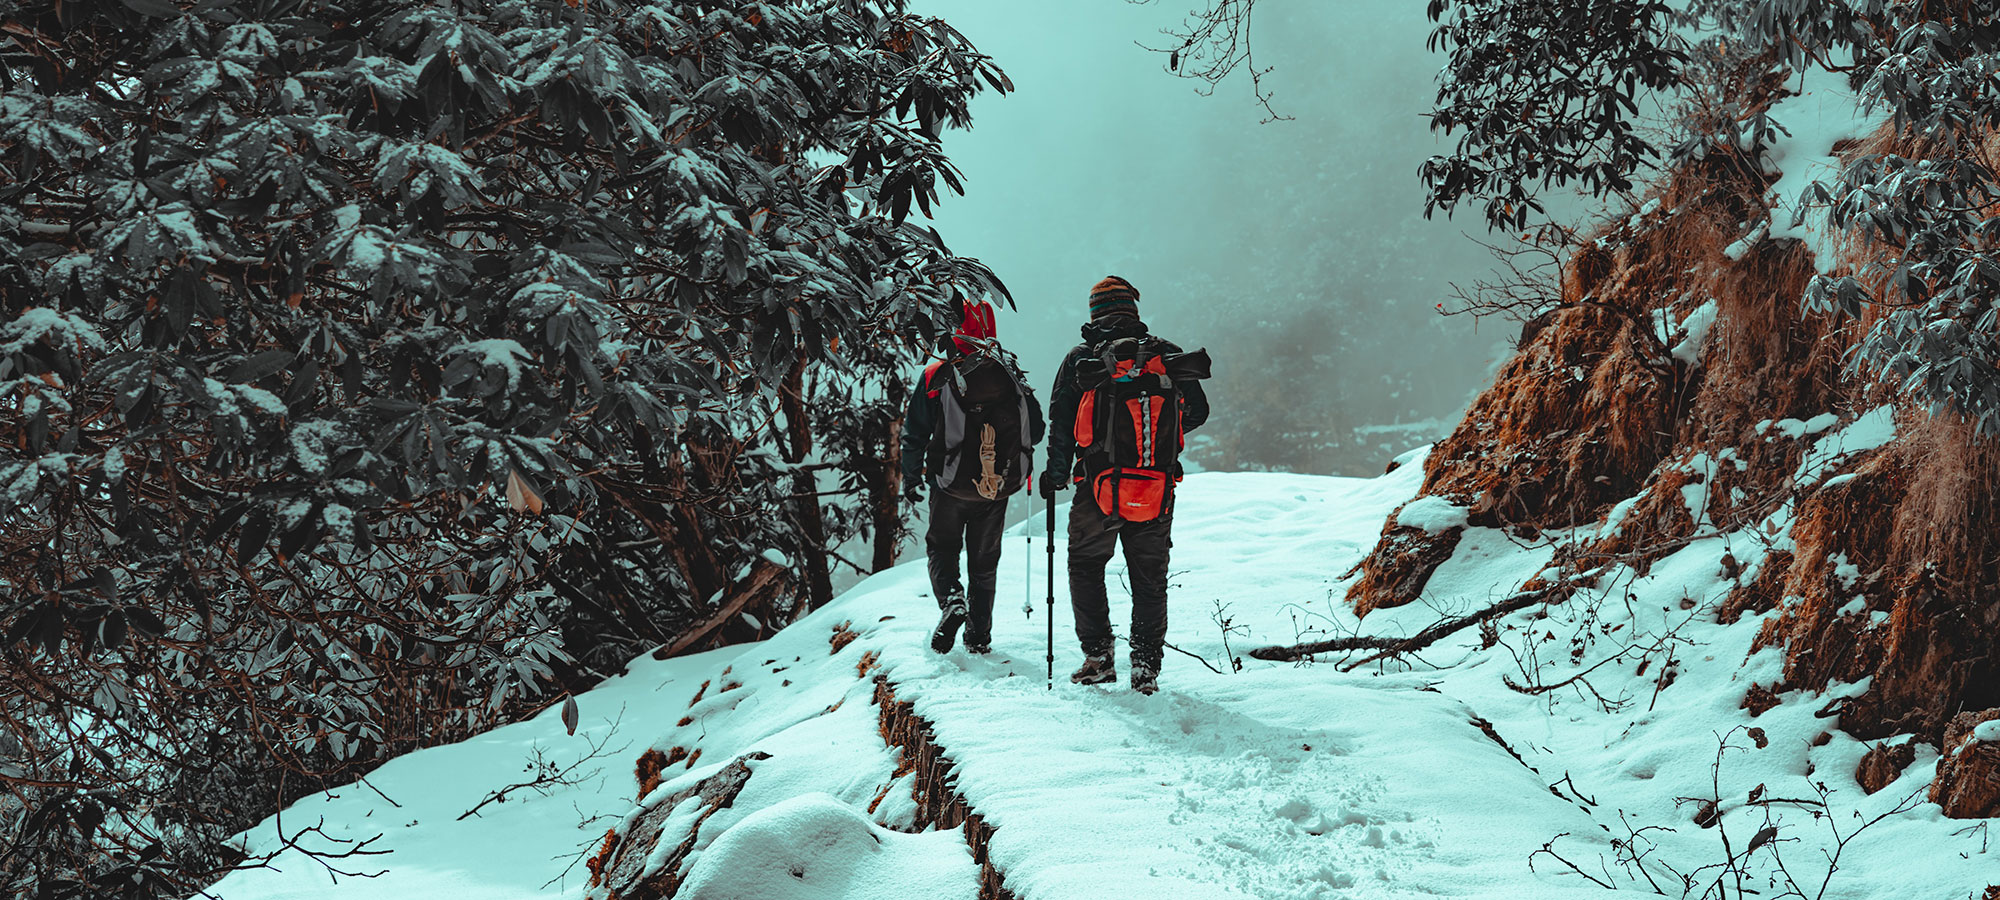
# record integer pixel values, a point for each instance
(1544, 95)
(370, 368)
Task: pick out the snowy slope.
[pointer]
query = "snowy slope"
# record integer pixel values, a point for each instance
(1278, 781)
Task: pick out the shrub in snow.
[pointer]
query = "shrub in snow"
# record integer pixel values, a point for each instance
(367, 366)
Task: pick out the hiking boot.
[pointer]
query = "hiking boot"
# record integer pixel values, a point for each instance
(1145, 678)
(1096, 670)
(979, 647)
(952, 619)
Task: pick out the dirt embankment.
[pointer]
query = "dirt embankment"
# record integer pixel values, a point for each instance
(1624, 401)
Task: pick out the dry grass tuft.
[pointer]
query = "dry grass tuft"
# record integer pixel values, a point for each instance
(843, 634)
(648, 770)
(1849, 521)
(1912, 522)
(1762, 592)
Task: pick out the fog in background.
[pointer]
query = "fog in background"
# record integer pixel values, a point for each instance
(1295, 251)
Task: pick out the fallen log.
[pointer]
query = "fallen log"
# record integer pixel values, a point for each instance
(763, 584)
(1387, 647)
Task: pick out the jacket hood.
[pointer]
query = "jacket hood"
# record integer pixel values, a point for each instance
(1100, 330)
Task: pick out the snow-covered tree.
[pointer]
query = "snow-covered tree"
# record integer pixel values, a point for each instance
(1548, 94)
(1567, 95)
(369, 368)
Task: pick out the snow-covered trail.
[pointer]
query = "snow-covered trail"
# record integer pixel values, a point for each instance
(1233, 786)
(1273, 782)
(1259, 784)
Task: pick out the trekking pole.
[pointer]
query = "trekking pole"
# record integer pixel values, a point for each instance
(1050, 502)
(1028, 562)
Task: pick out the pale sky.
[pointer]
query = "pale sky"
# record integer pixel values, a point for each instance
(1235, 232)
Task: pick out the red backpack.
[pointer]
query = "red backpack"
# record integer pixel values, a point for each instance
(1128, 424)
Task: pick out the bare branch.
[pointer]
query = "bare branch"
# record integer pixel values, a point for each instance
(1212, 44)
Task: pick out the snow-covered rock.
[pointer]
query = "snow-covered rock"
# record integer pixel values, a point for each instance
(1968, 775)
(816, 847)
(1432, 514)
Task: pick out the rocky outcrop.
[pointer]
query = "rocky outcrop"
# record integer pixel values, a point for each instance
(1886, 570)
(1883, 764)
(621, 868)
(1404, 560)
(1892, 578)
(1841, 541)
(1627, 373)
(1968, 776)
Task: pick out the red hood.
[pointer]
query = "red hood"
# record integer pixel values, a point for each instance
(977, 323)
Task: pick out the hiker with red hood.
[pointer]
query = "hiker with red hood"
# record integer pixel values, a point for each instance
(1122, 405)
(969, 435)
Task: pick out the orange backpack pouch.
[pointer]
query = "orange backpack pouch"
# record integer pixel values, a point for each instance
(1135, 495)
(1086, 418)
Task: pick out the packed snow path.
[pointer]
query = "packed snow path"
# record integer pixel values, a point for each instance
(1273, 782)
(1230, 787)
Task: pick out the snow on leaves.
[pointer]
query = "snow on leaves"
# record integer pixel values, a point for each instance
(1547, 94)
(378, 345)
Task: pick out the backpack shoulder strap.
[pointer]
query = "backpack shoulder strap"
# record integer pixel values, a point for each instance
(1109, 356)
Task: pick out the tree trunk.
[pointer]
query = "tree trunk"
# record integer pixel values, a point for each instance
(888, 488)
(812, 528)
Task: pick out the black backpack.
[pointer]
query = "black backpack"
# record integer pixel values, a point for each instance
(1128, 423)
(987, 450)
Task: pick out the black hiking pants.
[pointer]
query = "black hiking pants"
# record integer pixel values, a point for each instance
(973, 526)
(1092, 537)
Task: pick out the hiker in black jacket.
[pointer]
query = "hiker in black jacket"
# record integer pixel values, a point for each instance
(1094, 530)
(969, 436)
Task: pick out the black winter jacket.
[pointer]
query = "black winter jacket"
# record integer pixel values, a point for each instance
(1063, 399)
(923, 444)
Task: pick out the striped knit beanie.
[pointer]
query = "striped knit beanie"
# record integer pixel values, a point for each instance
(1114, 296)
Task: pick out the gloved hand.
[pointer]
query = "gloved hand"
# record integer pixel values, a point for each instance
(913, 492)
(1051, 483)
